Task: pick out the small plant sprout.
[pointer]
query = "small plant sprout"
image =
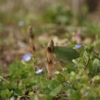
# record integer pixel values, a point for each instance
(77, 46)
(39, 71)
(27, 57)
(50, 50)
(49, 64)
(32, 46)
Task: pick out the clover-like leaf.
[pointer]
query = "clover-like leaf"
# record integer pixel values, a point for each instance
(56, 90)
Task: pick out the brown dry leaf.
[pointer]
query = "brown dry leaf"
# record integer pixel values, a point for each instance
(88, 41)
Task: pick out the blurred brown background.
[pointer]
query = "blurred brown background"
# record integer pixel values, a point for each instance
(15, 13)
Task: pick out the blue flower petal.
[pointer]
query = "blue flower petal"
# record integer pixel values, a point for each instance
(77, 46)
(39, 71)
(21, 23)
(27, 57)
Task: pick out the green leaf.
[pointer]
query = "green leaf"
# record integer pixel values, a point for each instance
(6, 93)
(53, 84)
(56, 90)
(47, 97)
(66, 54)
(1, 70)
(17, 92)
(96, 65)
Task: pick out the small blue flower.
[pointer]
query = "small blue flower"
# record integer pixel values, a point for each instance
(21, 23)
(77, 46)
(39, 71)
(87, 93)
(27, 57)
